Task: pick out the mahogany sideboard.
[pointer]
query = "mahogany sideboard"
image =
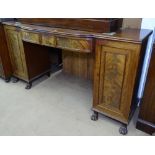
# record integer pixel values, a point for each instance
(117, 61)
(146, 119)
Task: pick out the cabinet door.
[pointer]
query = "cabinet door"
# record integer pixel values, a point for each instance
(16, 54)
(115, 72)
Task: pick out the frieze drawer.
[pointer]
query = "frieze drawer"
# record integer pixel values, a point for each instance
(30, 37)
(75, 44)
(48, 40)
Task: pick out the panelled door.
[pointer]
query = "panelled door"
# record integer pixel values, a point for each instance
(115, 72)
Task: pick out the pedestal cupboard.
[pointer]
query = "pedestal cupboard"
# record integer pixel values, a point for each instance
(118, 65)
(29, 61)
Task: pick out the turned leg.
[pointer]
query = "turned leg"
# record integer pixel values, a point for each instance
(15, 80)
(49, 74)
(123, 129)
(7, 79)
(94, 116)
(29, 85)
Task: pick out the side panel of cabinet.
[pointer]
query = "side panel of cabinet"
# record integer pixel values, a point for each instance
(5, 64)
(1, 68)
(115, 72)
(16, 54)
(146, 118)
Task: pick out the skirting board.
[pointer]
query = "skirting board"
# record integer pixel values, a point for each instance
(145, 126)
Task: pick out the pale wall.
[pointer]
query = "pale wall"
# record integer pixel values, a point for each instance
(132, 22)
(147, 23)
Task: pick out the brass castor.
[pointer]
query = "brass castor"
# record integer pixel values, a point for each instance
(28, 86)
(15, 80)
(123, 130)
(94, 116)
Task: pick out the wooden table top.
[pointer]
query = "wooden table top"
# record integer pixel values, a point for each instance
(128, 35)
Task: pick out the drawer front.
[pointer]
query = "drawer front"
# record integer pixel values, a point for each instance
(75, 44)
(49, 40)
(30, 37)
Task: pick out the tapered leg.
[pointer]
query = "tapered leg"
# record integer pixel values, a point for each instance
(7, 79)
(29, 85)
(15, 80)
(49, 74)
(94, 116)
(123, 129)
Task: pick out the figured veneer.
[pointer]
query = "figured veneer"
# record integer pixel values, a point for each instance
(75, 44)
(30, 37)
(48, 40)
(116, 60)
(78, 64)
